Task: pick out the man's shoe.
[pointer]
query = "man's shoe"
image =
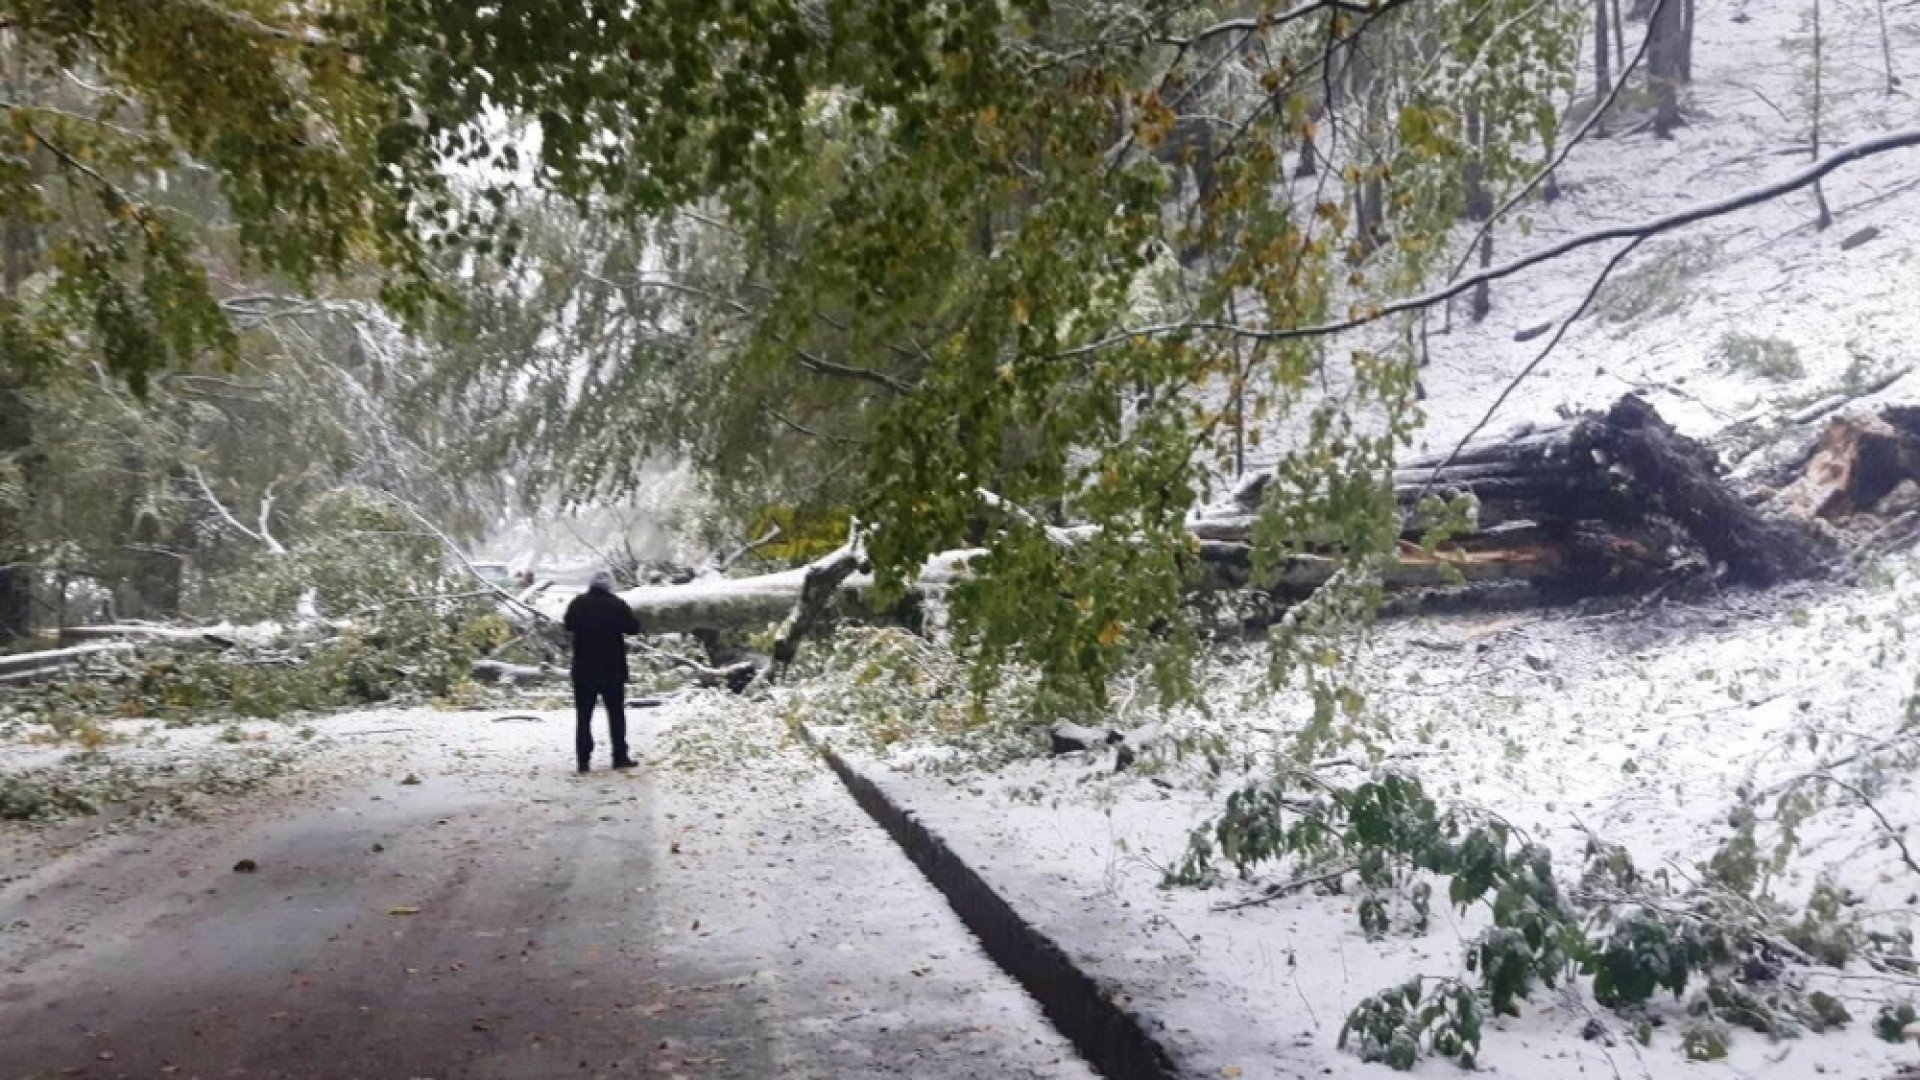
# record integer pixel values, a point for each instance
(583, 767)
(625, 763)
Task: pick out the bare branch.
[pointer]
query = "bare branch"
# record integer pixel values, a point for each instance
(461, 557)
(1899, 840)
(220, 508)
(721, 564)
(266, 513)
(1641, 230)
(820, 366)
(845, 440)
(1514, 383)
(1269, 22)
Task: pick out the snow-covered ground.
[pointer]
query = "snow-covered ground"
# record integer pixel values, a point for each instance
(1767, 272)
(1645, 726)
(1640, 727)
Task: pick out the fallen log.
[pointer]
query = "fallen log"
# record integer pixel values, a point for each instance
(506, 674)
(1857, 463)
(1621, 469)
(21, 667)
(1678, 478)
(763, 599)
(1594, 505)
(174, 636)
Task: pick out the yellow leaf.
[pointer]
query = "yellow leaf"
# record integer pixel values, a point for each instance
(1110, 634)
(404, 911)
(1085, 604)
(1020, 310)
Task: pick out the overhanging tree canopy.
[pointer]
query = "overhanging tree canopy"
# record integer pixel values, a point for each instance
(963, 256)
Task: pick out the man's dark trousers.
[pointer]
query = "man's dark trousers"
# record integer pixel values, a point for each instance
(614, 695)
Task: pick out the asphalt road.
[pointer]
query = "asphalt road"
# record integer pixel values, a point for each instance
(504, 918)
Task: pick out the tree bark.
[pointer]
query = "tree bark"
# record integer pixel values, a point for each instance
(1825, 218)
(1665, 63)
(1619, 40)
(1589, 506)
(1602, 69)
(1480, 208)
(1686, 45)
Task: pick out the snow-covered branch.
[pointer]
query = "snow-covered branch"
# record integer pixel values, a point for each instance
(1270, 22)
(259, 536)
(1641, 230)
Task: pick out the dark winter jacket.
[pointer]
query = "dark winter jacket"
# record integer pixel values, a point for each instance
(598, 621)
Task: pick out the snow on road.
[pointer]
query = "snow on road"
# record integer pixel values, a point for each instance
(1643, 727)
(435, 894)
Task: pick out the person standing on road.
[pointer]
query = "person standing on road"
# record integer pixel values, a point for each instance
(599, 622)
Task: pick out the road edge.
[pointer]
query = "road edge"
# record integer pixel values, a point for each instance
(1111, 1038)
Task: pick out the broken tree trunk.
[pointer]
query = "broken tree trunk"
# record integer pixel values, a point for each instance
(760, 600)
(21, 667)
(823, 578)
(1616, 472)
(1590, 506)
(1857, 462)
(177, 637)
(1679, 479)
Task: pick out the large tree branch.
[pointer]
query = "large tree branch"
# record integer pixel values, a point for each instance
(460, 556)
(1293, 14)
(226, 516)
(1641, 230)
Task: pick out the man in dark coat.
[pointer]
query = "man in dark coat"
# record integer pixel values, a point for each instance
(599, 622)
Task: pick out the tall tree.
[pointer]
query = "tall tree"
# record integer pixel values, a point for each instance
(1669, 61)
(1602, 68)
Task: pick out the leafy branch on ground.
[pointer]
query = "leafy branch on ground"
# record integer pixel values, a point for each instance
(1632, 935)
(408, 653)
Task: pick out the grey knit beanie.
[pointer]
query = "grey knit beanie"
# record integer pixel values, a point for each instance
(602, 580)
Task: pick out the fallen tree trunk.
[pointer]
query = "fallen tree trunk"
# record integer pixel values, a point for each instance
(21, 667)
(177, 637)
(1593, 505)
(506, 674)
(761, 600)
(1617, 471)
(1679, 478)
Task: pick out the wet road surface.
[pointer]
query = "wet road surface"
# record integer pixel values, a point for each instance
(502, 917)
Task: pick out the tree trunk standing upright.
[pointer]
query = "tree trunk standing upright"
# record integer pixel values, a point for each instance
(1819, 193)
(1239, 388)
(1369, 199)
(1686, 45)
(1602, 70)
(17, 243)
(1619, 40)
(1666, 63)
(1479, 205)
